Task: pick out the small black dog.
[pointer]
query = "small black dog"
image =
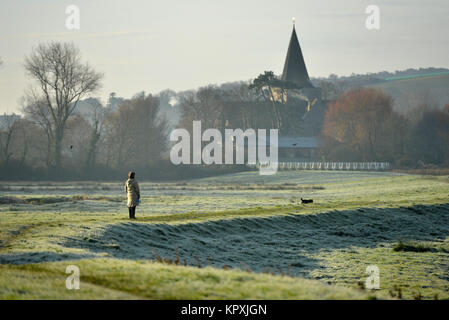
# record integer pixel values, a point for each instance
(306, 200)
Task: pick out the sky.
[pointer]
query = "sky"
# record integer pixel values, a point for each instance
(147, 45)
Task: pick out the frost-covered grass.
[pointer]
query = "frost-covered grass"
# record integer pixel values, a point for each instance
(242, 221)
(412, 273)
(130, 279)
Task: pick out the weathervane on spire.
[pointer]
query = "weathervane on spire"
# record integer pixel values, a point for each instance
(293, 20)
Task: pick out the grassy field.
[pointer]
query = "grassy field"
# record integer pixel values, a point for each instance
(240, 236)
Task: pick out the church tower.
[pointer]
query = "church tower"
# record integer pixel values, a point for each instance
(295, 68)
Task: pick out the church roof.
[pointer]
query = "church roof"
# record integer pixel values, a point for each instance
(294, 68)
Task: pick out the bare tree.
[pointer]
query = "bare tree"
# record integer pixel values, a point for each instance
(135, 136)
(63, 80)
(20, 141)
(27, 141)
(36, 110)
(8, 128)
(96, 118)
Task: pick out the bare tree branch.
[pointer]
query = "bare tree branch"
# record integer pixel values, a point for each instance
(63, 80)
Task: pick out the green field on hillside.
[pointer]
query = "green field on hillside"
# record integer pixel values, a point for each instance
(409, 92)
(417, 83)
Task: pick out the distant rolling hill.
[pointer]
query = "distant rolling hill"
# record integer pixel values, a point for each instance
(410, 91)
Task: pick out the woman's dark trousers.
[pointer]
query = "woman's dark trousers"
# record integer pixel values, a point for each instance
(132, 212)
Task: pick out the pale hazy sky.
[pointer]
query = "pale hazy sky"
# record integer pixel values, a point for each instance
(154, 45)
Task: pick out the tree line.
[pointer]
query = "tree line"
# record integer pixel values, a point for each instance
(53, 136)
(362, 125)
(65, 132)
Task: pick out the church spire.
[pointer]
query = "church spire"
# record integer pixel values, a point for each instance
(294, 68)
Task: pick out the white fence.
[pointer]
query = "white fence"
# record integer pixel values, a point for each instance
(329, 165)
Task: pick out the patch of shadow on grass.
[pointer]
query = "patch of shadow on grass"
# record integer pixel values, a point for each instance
(10, 200)
(33, 201)
(40, 256)
(280, 244)
(413, 247)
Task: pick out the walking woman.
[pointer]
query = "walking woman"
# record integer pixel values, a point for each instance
(133, 192)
